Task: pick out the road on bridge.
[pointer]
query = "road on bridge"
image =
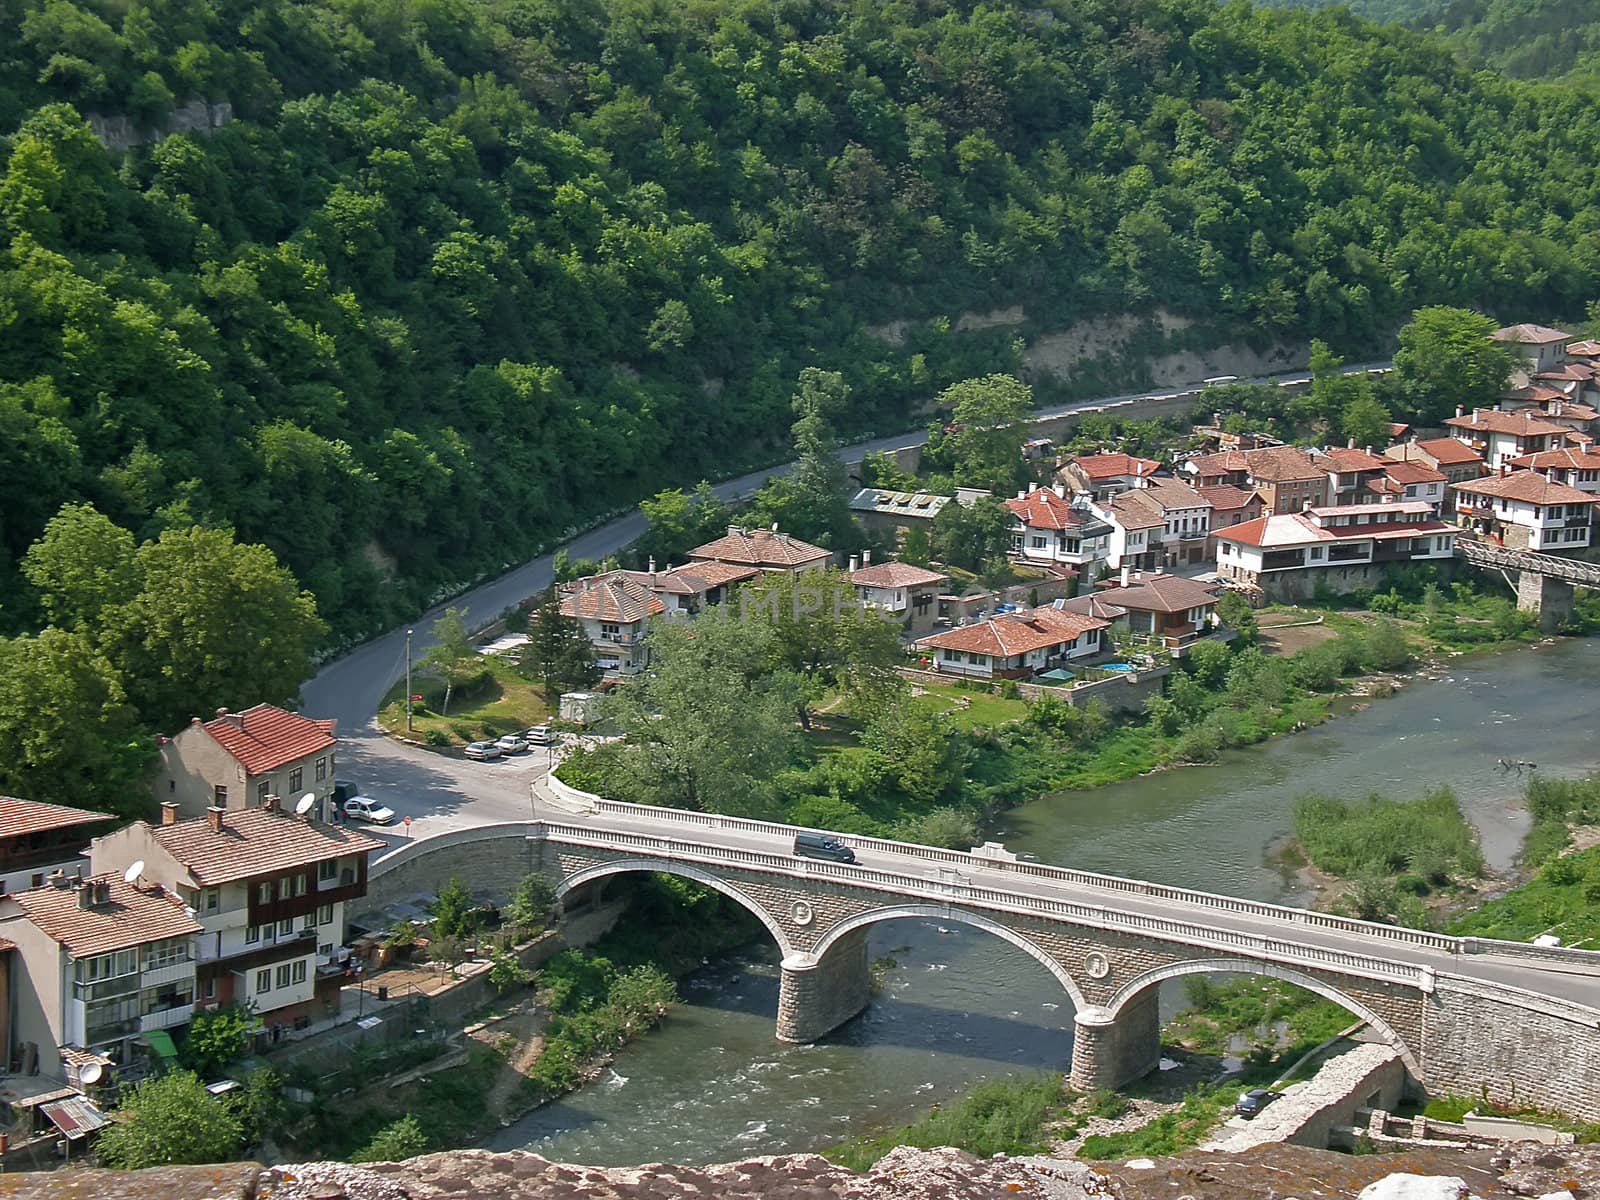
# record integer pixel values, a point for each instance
(440, 792)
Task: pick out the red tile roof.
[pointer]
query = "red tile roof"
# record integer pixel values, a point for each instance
(1492, 420)
(132, 916)
(1226, 498)
(1044, 508)
(703, 576)
(1295, 529)
(615, 596)
(1585, 349)
(1281, 464)
(1170, 494)
(896, 575)
(1413, 472)
(1162, 593)
(265, 737)
(1138, 510)
(1111, 466)
(1569, 459)
(1345, 460)
(1449, 452)
(1011, 634)
(20, 817)
(1568, 372)
(1529, 487)
(1529, 335)
(255, 841)
(761, 548)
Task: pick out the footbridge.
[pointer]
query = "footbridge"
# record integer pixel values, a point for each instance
(1544, 581)
(1466, 1014)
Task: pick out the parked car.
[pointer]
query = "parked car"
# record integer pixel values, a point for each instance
(1252, 1102)
(512, 744)
(365, 808)
(483, 750)
(541, 735)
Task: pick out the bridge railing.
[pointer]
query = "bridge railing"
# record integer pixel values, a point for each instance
(1587, 959)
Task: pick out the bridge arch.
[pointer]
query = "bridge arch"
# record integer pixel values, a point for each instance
(656, 866)
(937, 912)
(1250, 966)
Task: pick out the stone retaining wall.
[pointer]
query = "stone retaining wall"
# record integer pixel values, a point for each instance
(1120, 693)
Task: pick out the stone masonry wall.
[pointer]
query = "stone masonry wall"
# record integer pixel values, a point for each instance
(817, 1000)
(490, 866)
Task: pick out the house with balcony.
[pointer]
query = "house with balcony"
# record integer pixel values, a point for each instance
(1576, 466)
(1415, 481)
(1186, 517)
(1016, 645)
(614, 612)
(1455, 460)
(270, 891)
(105, 969)
(905, 593)
(36, 840)
(1285, 477)
(1106, 475)
(1525, 510)
(767, 550)
(1166, 609)
(1229, 506)
(238, 759)
(1342, 547)
(1351, 473)
(1501, 436)
(1049, 529)
(1540, 345)
(1138, 526)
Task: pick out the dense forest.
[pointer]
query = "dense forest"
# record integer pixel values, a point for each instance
(459, 275)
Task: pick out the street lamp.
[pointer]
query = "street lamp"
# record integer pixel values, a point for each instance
(409, 726)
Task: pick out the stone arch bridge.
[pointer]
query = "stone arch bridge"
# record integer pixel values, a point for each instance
(1467, 1015)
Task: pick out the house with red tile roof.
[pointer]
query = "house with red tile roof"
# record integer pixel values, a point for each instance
(1415, 480)
(614, 611)
(106, 966)
(1351, 472)
(1542, 346)
(1576, 466)
(1049, 528)
(1501, 436)
(270, 890)
(767, 550)
(1285, 476)
(1175, 610)
(238, 759)
(899, 590)
(1229, 506)
(1526, 510)
(1455, 460)
(1104, 475)
(38, 839)
(1016, 645)
(1342, 547)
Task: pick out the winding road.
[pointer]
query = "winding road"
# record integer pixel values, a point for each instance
(440, 792)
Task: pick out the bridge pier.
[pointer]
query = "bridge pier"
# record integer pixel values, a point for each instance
(815, 998)
(1549, 597)
(1108, 1051)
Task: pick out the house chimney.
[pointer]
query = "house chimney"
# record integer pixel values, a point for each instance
(196, 721)
(1126, 572)
(1350, 445)
(774, 527)
(58, 878)
(214, 816)
(1369, 449)
(271, 805)
(169, 812)
(855, 563)
(1061, 490)
(866, 558)
(1460, 411)
(86, 893)
(734, 530)
(652, 568)
(1475, 413)
(1216, 419)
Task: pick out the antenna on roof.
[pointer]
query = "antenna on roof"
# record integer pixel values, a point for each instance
(305, 804)
(136, 869)
(90, 1073)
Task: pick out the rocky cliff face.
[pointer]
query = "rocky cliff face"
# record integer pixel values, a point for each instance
(1264, 1173)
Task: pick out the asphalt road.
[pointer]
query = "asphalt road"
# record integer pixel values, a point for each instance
(440, 792)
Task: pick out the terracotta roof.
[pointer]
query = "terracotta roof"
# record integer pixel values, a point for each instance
(1015, 633)
(1529, 335)
(1449, 452)
(1044, 508)
(20, 817)
(760, 548)
(132, 916)
(615, 596)
(1585, 349)
(1293, 529)
(1570, 410)
(1277, 464)
(1534, 393)
(1162, 593)
(1095, 604)
(1225, 497)
(701, 577)
(1344, 460)
(1226, 462)
(1493, 420)
(1413, 472)
(895, 574)
(1110, 466)
(1398, 429)
(265, 737)
(1415, 507)
(1570, 459)
(1530, 487)
(1136, 510)
(1174, 493)
(1568, 373)
(255, 841)
(1385, 486)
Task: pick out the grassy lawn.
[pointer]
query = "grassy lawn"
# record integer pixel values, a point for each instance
(1561, 900)
(970, 709)
(504, 703)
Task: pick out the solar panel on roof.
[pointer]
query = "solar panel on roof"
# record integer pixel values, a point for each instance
(924, 501)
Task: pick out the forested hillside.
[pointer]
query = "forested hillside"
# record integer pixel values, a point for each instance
(1529, 39)
(461, 274)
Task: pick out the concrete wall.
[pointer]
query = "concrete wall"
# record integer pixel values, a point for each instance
(1366, 1076)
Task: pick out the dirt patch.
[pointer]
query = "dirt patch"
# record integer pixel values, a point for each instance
(519, 1038)
(989, 320)
(1291, 639)
(1108, 338)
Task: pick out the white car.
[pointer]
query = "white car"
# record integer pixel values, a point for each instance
(541, 735)
(512, 744)
(365, 808)
(483, 750)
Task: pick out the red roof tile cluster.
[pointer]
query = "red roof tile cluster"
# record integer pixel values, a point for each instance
(1449, 452)
(1162, 593)
(1584, 349)
(1521, 423)
(616, 596)
(1405, 473)
(1272, 464)
(896, 575)
(265, 737)
(1529, 487)
(255, 841)
(1113, 466)
(1529, 335)
(1345, 460)
(131, 916)
(761, 548)
(18, 818)
(1571, 458)
(1011, 634)
(1045, 508)
(1226, 498)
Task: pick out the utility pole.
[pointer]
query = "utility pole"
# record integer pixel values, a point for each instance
(409, 726)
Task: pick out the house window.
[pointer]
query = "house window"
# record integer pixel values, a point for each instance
(322, 768)
(285, 927)
(219, 796)
(325, 915)
(264, 981)
(210, 989)
(609, 629)
(300, 882)
(284, 885)
(252, 935)
(1316, 552)
(309, 921)
(298, 975)
(263, 790)
(326, 949)
(283, 975)
(264, 892)
(213, 900)
(328, 869)
(1036, 542)
(297, 778)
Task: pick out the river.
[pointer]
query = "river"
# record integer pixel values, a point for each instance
(959, 1006)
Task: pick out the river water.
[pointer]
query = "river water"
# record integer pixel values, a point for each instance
(959, 1006)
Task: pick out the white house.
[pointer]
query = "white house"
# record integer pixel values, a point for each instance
(1576, 466)
(1502, 436)
(1524, 510)
(1048, 529)
(908, 593)
(1416, 481)
(1138, 524)
(613, 611)
(1542, 346)
(1016, 645)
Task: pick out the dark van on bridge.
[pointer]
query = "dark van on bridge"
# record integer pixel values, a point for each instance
(820, 845)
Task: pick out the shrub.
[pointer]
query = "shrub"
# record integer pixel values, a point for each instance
(395, 1142)
(170, 1119)
(1560, 872)
(436, 737)
(1384, 836)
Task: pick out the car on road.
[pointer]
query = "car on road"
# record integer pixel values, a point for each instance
(541, 735)
(512, 744)
(365, 808)
(483, 751)
(1252, 1102)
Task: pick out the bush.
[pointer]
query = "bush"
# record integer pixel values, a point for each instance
(1003, 1116)
(436, 737)
(217, 1039)
(949, 828)
(1384, 836)
(395, 1142)
(1385, 648)
(1560, 872)
(170, 1119)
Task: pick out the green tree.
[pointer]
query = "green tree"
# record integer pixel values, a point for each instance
(1447, 360)
(1208, 663)
(559, 652)
(217, 1039)
(82, 567)
(167, 1120)
(452, 911)
(506, 972)
(395, 1142)
(1238, 616)
(1365, 420)
(532, 903)
(972, 536)
(680, 521)
(917, 548)
(452, 657)
(991, 415)
(813, 502)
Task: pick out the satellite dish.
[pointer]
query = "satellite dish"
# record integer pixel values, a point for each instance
(91, 1073)
(131, 875)
(305, 804)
